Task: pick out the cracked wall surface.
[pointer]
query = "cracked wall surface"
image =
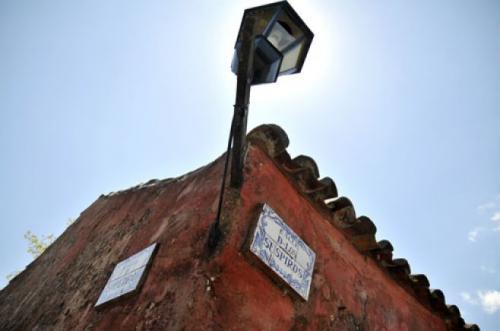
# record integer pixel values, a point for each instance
(190, 288)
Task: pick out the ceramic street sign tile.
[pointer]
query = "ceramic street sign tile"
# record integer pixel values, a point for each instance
(283, 251)
(127, 275)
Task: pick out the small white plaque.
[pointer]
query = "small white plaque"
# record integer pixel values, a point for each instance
(126, 276)
(283, 251)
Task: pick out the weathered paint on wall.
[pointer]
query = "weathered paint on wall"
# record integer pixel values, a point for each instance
(187, 288)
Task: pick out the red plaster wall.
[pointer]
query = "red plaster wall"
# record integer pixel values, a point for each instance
(349, 291)
(188, 289)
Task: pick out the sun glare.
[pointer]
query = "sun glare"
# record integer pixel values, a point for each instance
(320, 67)
(320, 64)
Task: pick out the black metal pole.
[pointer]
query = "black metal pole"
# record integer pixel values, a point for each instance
(238, 129)
(244, 81)
(215, 232)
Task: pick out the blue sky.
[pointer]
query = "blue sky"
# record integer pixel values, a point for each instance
(398, 102)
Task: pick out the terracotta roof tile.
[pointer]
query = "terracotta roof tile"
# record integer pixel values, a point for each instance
(360, 231)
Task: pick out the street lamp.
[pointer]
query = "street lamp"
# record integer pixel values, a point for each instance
(281, 41)
(272, 41)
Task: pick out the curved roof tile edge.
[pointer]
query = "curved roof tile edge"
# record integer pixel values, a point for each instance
(360, 231)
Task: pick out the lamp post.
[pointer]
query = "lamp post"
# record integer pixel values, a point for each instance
(272, 41)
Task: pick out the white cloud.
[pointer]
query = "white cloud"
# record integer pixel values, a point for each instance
(490, 300)
(485, 206)
(467, 297)
(490, 207)
(487, 269)
(473, 234)
(496, 218)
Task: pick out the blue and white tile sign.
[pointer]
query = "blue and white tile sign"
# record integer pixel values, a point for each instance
(283, 251)
(126, 276)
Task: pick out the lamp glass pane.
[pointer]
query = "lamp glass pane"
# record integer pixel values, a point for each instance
(262, 19)
(291, 57)
(281, 36)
